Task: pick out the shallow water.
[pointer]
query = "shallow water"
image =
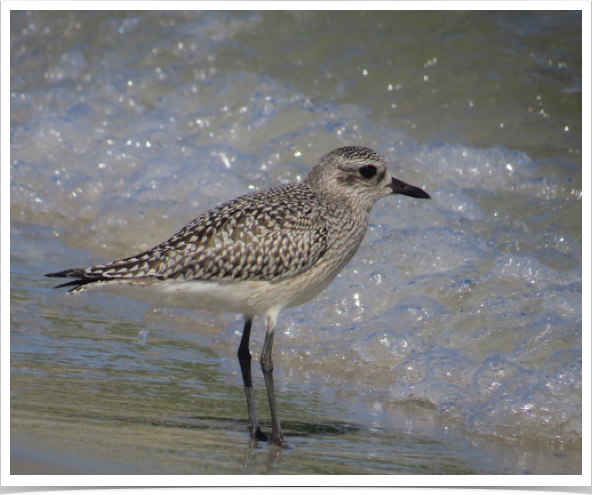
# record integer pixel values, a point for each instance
(450, 345)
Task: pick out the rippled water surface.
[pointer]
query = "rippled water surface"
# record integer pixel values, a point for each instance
(452, 342)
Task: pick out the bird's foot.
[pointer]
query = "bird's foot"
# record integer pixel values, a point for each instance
(259, 435)
(278, 440)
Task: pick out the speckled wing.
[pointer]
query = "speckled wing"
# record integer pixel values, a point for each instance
(267, 236)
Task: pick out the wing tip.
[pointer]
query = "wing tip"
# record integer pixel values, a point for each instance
(76, 273)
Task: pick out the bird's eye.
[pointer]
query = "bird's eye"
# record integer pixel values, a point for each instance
(368, 171)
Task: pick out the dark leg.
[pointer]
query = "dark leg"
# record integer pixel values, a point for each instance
(244, 358)
(267, 367)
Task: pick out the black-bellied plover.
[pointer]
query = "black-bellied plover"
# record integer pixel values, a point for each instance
(259, 253)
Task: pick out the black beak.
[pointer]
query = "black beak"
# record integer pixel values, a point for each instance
(400, 187)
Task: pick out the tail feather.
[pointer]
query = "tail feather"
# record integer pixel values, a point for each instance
(77, 273)
(70, 272)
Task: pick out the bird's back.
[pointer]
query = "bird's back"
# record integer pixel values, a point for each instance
(265, 236)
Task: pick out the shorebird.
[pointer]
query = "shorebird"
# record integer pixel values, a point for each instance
(259, 254)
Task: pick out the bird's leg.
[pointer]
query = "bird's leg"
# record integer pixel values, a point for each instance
(267, 367)
(244, 358)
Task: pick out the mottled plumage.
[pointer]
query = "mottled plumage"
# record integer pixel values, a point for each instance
(260, 253)
(261, 236)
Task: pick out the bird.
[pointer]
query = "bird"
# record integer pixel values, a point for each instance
(259, 254)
